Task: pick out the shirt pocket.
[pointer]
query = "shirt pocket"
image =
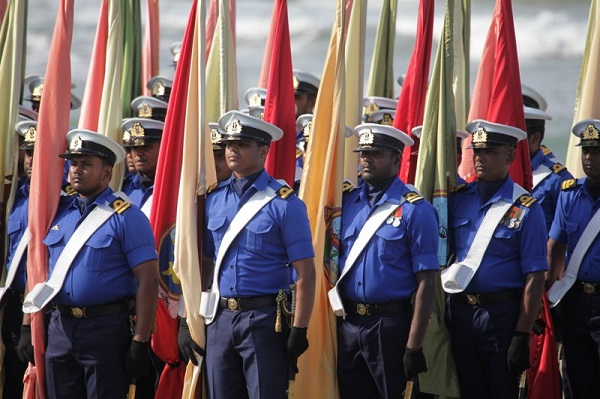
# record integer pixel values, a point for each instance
(460, 229)
(94, 252)
(12, 228)
(216, 225)
(503, 242)
(389, 241)
(257, 237)
(55, 242)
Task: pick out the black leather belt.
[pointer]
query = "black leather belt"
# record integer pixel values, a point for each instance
(367, 309)
(587, 288)
(248, 303)
(484, 299)
(93, 311)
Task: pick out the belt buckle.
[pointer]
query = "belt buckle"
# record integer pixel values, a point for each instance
(78, 312)
(589, 288)
(472, 299)
(361, 309)
(232, 304)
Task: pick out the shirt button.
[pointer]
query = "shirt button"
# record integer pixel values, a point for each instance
(230, 288)
(231, 267)
(359, 283)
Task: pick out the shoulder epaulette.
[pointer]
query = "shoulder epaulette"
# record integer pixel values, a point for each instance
(526, 200)
(284, 192)
(120, 205)
(347, 187)
(212, 188)
(557, 168)
(413, 197)
(545, 150)
(569, 184)
(456, 189)
(69, 190)
(299, 153)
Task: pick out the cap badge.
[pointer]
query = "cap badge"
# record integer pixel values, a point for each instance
(372, 107)
(158, 89)
(366, 138)
(36, 93)
(307, 130)
(590, 133)
(387, 120)
(480, 136)
(76, 143)
(137, 130)
(234, 126)
(30, 135)
(215, 136)
(145, 111)
(255, 100)
(296, 82)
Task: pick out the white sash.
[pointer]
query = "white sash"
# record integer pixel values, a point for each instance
(14, 263)
(540, 173)
(147, 207)
(456, 277)
(560, 287)
(210, 299)
(43, 293)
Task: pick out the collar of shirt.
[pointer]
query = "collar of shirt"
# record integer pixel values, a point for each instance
(504, 192)
(537, 160)
(101, 199)
(391, 194)
(243, 184)
(24, 186)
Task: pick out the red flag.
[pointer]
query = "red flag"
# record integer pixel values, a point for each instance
(497, 93)
(46, 178)
(162, 219)
(411, 104)
(280, 103)
(266, 62)
(543, 377)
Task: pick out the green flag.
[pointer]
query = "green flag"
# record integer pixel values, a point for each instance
(381, 76)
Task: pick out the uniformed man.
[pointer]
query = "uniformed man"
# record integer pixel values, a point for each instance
(255, 97)
(306, 87)
(14, 365)
(574, 233)
(143, 136)
(218, 145)
(149, 107)
(245, 355)
(497, 235)
(380, 339)
(548, 174)
(90, 349)
(160, 87)
(380, 110)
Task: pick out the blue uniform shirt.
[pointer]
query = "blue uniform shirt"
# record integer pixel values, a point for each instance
(547, 190)
(101, 271)
(134, 189)
(517, 248)
(257, 261)
(17, 224)
(575, 209)
(385, 270)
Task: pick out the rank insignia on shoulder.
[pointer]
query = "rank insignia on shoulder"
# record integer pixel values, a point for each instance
(557, 168)
(568, 184)
(284, 192)
(545, 150)
(299, 153)
(212, 188)
(347, 187)
(120, 205)
(526, 200)
(456, 189)
(69, 190)
(413, 197)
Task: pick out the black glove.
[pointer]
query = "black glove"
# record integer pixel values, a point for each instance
(137, 360)
(187, 346)
(297, 344)
(414, 362)
(518, 353)
(25, 348)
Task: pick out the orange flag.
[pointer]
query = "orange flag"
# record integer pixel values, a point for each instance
(150, 50)
(46, 179)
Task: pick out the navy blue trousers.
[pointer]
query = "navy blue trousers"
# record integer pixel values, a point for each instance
(370, 352)
(480, 338)
(581, 342)
(85, 358)
(11, 333)
(245, 357)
